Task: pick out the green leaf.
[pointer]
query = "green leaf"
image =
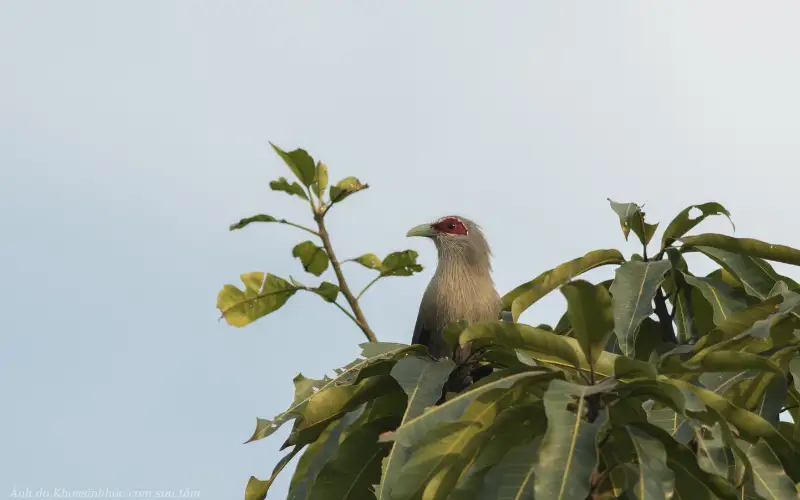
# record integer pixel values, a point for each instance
(256, 218)
(691, 482)
(283, 185)
(519, 336)
(355, 468)
(503, 467)
(525, 295)
(682, 223)
(370, 261)
(334, 403)
(260, 297)
(416, 429)
(257, 489)
(729, 361)
(655, 479)
(422, 380)
(327, 291)
(317, 454)
(744, 246)
(299, 162)
(590, 313)
(400, 264)
(718, 294)
(314, 258)
(631, 217)
(750, 426)
(321, 180)
(769, 478)
(567, 455)
(756, 275)
(634, 287)
(441, 453)
(316, 391)
(346, 187)
(512, 478)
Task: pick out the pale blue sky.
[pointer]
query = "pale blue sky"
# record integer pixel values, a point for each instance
(133, 133)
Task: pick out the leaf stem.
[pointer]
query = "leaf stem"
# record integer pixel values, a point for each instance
(359, 318)
(350, 315)
(298, 226)
(368, 285)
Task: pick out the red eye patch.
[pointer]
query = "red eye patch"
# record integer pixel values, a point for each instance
(450, 225)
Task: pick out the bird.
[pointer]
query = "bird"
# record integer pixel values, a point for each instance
(461, 288)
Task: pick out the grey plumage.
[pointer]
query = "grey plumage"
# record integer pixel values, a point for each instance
(461, 287)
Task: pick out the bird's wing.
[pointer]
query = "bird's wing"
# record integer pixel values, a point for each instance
(421, 335)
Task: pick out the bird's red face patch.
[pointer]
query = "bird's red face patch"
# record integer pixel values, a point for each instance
(450, 225)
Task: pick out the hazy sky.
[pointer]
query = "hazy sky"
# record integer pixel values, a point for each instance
(133, 133)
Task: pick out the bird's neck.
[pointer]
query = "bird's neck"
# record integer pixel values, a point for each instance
(458, 276)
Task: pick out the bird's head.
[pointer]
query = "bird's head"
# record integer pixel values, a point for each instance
(456, 238)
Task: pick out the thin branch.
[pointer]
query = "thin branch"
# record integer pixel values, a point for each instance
(349, 315)
(369, 285)
(361, 321)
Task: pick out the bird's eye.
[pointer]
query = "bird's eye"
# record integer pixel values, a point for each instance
(451, 226)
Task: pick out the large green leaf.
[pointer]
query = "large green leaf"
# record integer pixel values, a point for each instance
(512, 478)
(345, 188)
(634, 287)
(422, 380)
(299, 162)
(567, 455)
(503, 467)
(756, 275)
(333, 403)
(314, 258)
(745, 246)
(591, 316)
(525, 295)
(356, 467)
(261, 296)
(257, 489)
(769, 478)
(317, 454)
(691, 482)
(750, 425)
(632, 218)
(683, 223)
(283, 185)
(416, 429)
(515, 335)
(655, 479)
(551, 349)
(441, 454)
(718, 294)
(307, 390)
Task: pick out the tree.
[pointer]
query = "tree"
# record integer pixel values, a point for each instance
(656, 384)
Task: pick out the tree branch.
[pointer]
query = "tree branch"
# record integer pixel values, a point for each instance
(360, 320)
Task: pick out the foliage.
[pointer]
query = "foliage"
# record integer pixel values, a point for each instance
(658, 384)
(264, 293)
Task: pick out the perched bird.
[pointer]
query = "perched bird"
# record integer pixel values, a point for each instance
(462, 286)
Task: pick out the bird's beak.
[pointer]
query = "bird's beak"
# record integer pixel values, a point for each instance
(422, 230)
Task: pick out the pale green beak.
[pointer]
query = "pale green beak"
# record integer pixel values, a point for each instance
(422, 230)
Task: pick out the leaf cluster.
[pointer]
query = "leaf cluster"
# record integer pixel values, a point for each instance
(656, 384)
(264, 293)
